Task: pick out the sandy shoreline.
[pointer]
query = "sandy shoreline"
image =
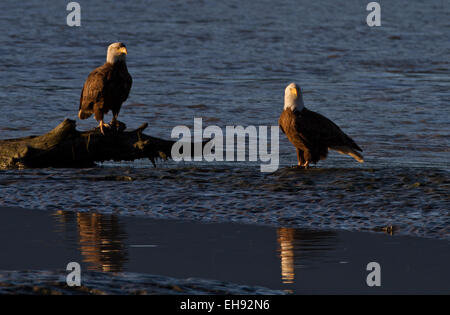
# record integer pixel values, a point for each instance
(226, 258)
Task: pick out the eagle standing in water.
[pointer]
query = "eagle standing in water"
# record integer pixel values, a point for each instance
(106, 88)
(311, 133)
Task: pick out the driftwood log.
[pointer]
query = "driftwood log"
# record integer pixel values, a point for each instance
(64, 146)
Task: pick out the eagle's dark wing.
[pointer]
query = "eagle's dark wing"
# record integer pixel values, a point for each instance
(128, 82)
(315, 128)
(94, 90)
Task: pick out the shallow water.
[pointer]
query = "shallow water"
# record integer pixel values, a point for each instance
(40, 282)
(414, 201)
(387, 87)
(186, 257)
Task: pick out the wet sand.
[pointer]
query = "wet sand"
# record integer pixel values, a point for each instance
(142, 253)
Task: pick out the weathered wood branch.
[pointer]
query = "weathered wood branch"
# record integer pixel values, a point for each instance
(64, 146)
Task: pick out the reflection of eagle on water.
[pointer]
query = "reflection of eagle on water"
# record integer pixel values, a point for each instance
(311, 133)
(107, 87)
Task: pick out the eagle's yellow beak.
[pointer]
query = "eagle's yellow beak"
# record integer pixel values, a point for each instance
(123, 50)
(294, 91)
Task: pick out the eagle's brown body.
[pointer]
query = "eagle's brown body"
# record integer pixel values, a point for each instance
(105, 89)
(313, 134)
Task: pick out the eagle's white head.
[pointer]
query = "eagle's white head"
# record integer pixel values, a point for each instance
(293, 98)
(116, 52)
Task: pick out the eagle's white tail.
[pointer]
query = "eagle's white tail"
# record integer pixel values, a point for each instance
(346, 150)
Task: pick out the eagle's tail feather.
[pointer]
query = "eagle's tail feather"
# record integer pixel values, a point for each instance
(84, 114)
(347, 150)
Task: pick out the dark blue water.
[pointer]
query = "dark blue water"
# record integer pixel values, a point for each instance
(228, 62)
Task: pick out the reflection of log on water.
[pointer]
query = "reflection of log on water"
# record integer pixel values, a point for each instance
(64, 146)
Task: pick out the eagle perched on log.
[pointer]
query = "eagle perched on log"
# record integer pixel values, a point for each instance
(311, 133)
(106, 88)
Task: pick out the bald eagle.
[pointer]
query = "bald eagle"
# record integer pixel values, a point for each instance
(311, 133)
(107, 87)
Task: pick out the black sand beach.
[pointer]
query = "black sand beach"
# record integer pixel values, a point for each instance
(141, 253)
